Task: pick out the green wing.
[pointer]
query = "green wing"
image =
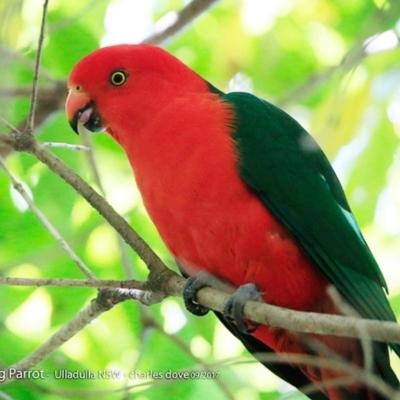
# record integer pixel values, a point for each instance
(293, 178)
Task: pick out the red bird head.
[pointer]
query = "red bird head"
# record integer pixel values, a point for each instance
(125, 82)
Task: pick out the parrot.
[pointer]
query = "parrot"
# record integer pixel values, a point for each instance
(242, 195)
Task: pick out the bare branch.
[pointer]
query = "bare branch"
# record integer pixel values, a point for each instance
(76, 147)
(178, 21)
(90, 156)
(355, 375)
(31, 116)
(85, 317)
(203, 365)
(14, 56)
(21, 142)
(48, 100)
(353, 57)
(16, 92)
(49, 226)
(153, 262)
(8, 125)
(5, 396)
(296, 321)
(88, 143)
(346, 309)
(61, 282)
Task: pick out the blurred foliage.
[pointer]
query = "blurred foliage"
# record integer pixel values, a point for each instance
(332, 64)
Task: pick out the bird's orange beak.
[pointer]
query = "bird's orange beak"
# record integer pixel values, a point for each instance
(81, 111)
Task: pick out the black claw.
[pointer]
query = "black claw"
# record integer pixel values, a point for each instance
(233, 309)
(192, 286)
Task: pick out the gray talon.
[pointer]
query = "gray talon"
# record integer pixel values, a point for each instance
(234, 307)
(192, 286)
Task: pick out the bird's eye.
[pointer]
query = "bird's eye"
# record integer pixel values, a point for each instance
(118, 78)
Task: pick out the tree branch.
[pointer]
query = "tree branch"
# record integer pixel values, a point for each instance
(353, 57)
(31, 116)
(296, 321)
(85, 317)
(68, 146)
(22, 142)
(49, 226)
(178, 21)
(61, 282)
(355, 374)
(48, 101)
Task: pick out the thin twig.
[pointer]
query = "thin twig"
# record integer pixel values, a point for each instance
(88, 8)
(203, 365)
(85, 317)
(16, 92)
(295, 321)
(5, 396)
(358, 375)
(31, 115)
(11, 56)
(21, 142)
(180, 20)
(68, 146)
(49, 226)
(353, 57)
(153, 262)
(346, 309)
(88, 143)
(63, 282)
(355, 375)
(90, 156)
(4, 122)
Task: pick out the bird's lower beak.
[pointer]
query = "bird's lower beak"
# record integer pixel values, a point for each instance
(82, 112)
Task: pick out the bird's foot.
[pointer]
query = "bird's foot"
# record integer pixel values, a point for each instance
(234, 307)
(194, 284)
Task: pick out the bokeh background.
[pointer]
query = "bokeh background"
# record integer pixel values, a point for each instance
(334, 65)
